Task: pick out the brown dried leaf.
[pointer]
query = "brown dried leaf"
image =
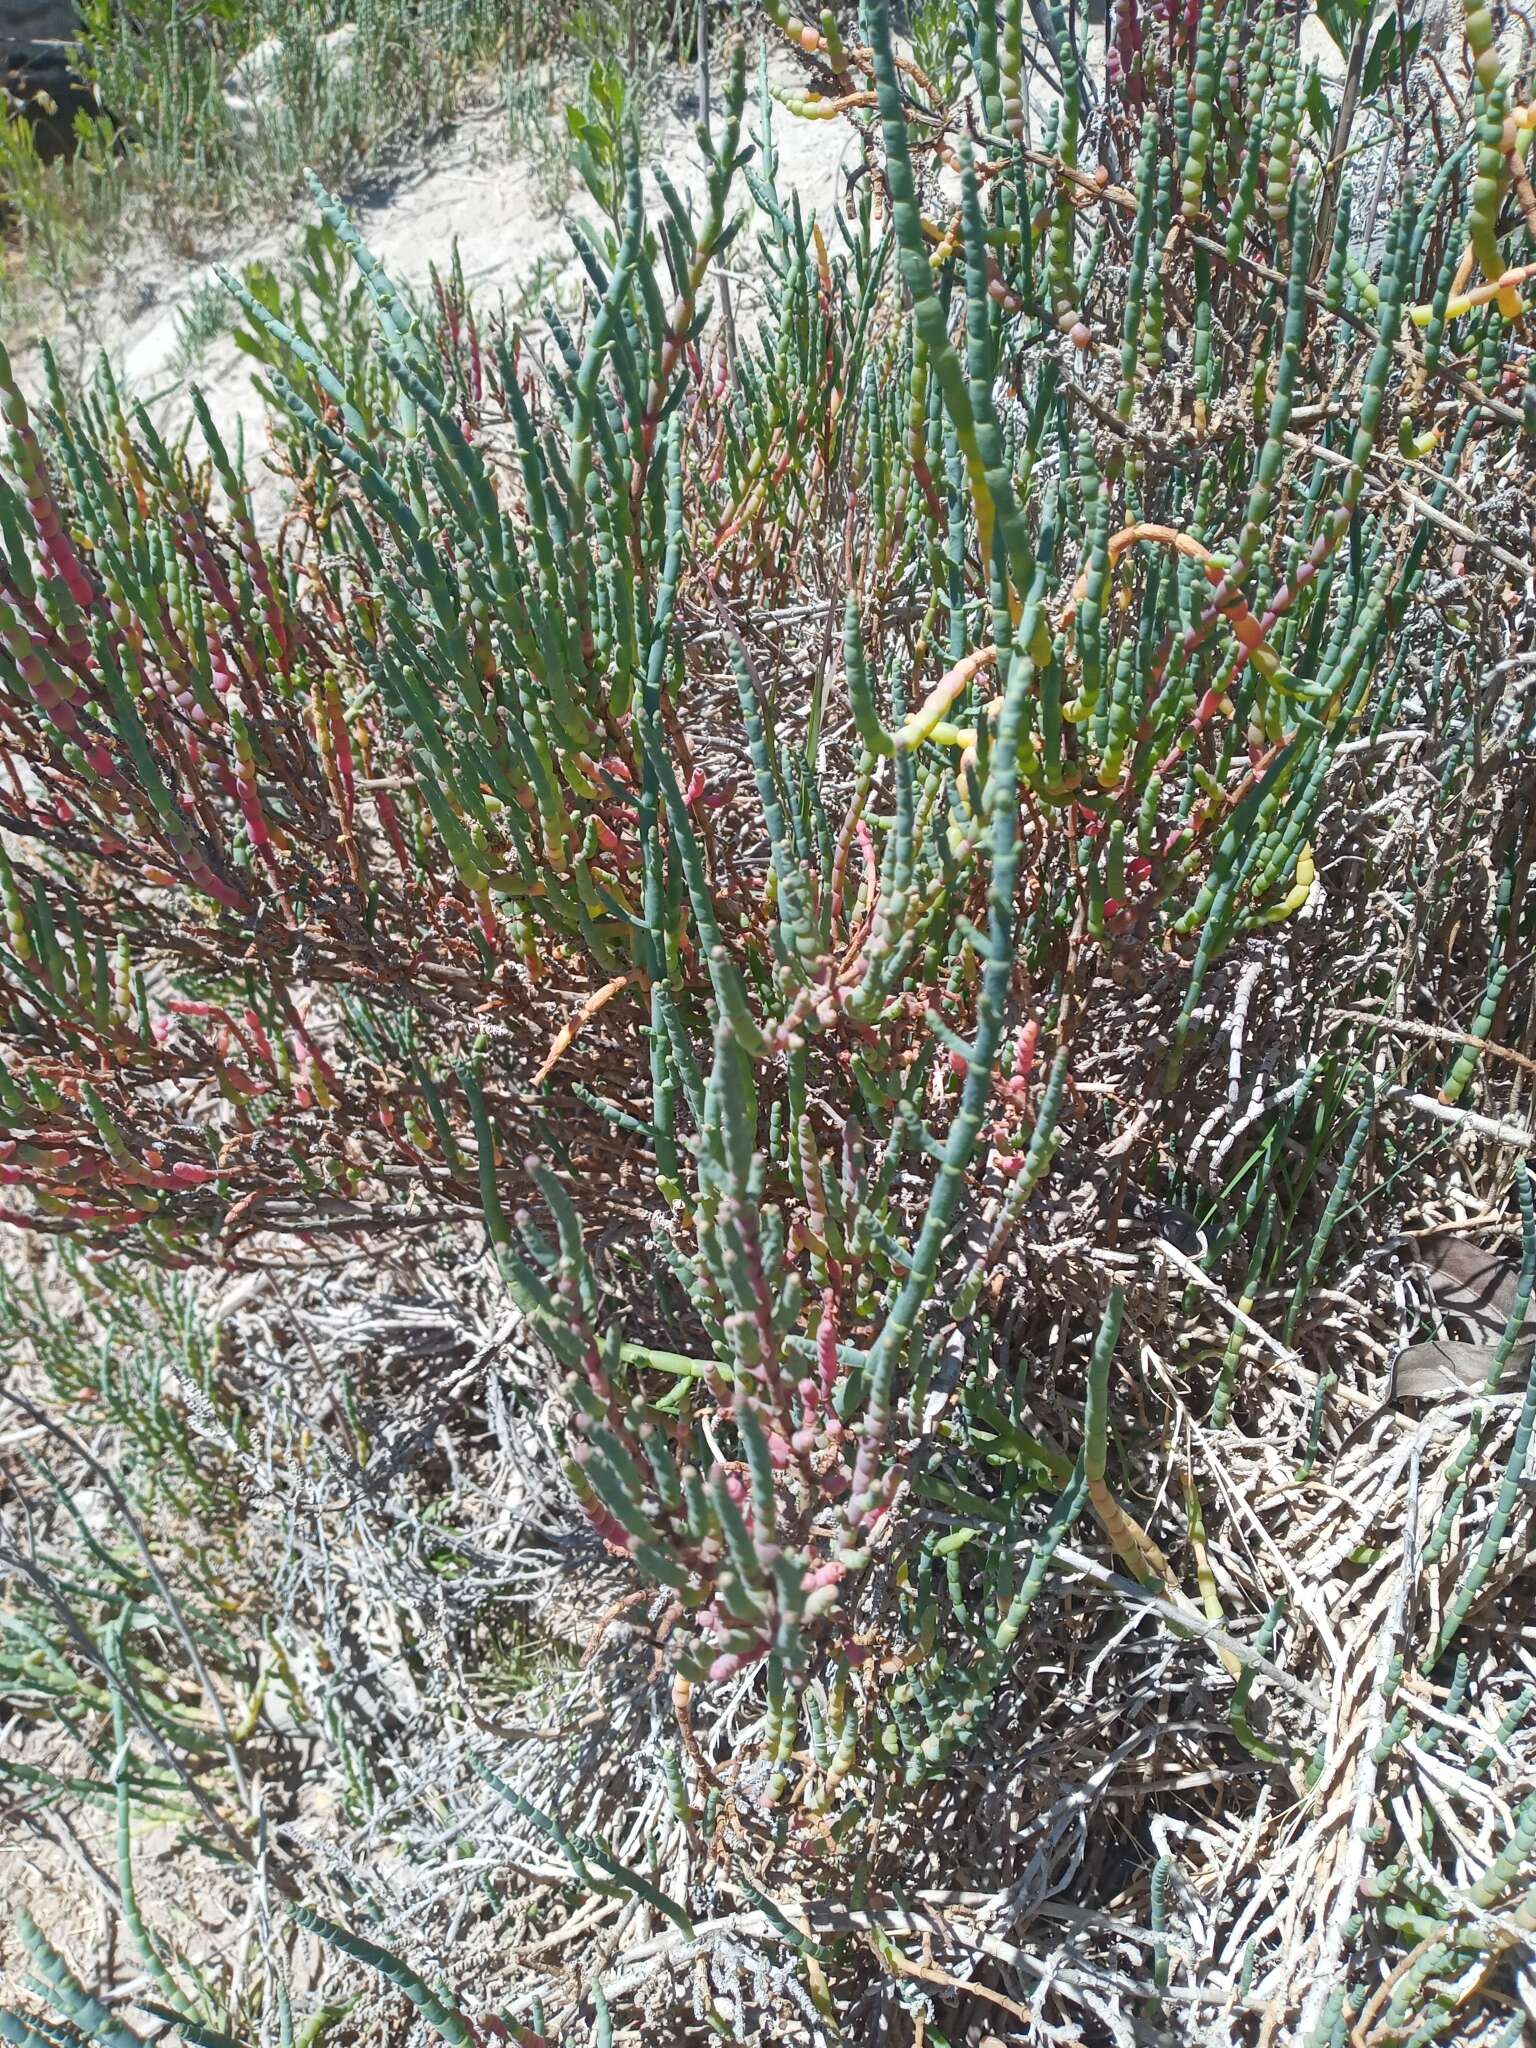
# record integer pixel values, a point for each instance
(1475, 1286)
(1440, 1368)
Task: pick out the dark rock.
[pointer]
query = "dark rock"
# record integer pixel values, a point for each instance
(34, 21)
(41, 87)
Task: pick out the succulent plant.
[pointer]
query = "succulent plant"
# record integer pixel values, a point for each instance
(732, 777)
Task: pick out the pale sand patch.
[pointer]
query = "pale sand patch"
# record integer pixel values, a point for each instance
(467, 188)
